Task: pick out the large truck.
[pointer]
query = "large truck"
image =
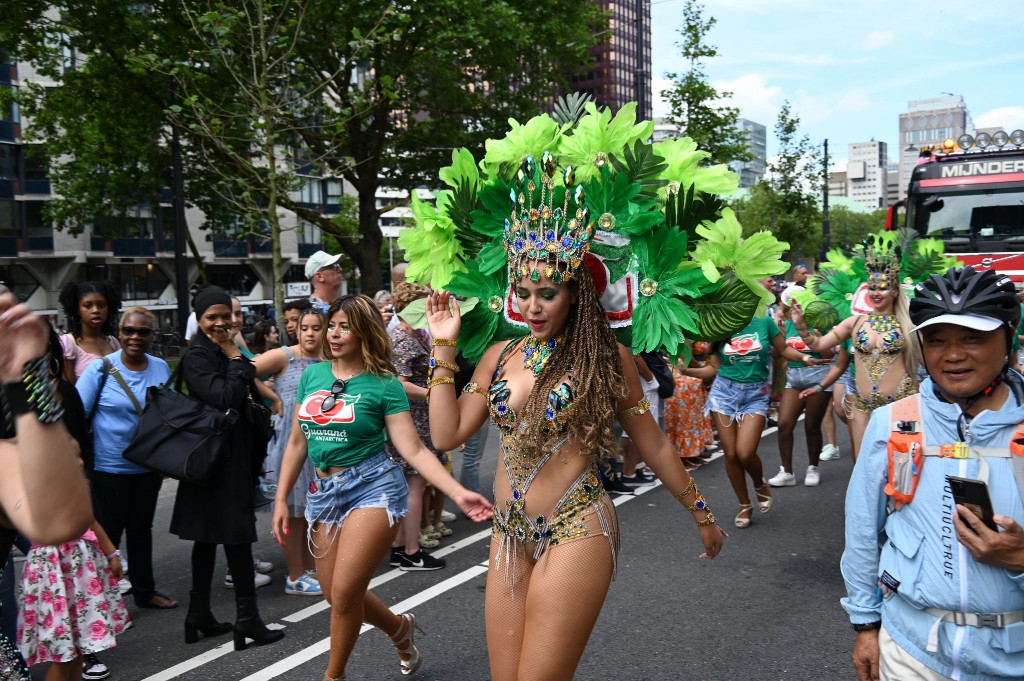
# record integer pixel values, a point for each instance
(970, 193)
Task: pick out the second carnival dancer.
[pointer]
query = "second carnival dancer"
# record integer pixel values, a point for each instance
(555, 395)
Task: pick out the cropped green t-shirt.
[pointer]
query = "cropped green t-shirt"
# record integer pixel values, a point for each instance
(353, 429)
(746, 357)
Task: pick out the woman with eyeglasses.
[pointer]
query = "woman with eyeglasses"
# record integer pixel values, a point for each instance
(124, 494)
(347, 408)
(286, 365)
(218, 374)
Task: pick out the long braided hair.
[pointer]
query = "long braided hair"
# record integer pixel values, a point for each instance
(592, 352)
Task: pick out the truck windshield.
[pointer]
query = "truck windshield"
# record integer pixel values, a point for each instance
(972, 211)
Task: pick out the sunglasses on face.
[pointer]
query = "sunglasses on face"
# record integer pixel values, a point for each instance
(140, 331)
(336, 390)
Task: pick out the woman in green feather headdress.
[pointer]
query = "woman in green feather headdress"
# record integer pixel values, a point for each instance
(572, 230)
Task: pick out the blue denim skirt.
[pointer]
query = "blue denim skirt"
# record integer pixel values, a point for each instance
(377, 482)
(734, 399)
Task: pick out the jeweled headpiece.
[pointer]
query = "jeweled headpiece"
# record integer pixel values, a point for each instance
(882, 261)
(549, 229)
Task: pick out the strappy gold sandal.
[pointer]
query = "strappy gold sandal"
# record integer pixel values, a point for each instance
(410, 665)
(764, 497)
(742, 521)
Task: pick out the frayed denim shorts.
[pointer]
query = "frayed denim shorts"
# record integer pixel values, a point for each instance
(802, 378)
(377, 482)
(734, 399)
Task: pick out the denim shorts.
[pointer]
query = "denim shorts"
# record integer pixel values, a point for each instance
(377, 482)
(849, 383)
(735, 399)
(802, 378)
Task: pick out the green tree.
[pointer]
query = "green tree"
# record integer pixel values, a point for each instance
(697, 107)
(850, 228)
(386, 93)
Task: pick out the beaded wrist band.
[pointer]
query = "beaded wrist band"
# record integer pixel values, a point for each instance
(446, 342)
(36, 392)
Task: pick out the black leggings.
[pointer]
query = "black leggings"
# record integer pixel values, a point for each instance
(239, 556)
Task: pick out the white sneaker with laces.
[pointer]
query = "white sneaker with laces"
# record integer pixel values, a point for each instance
(829, 453)
(813, 477)
(447, 517)
(306, 585)
(782, 479)
(262, 566)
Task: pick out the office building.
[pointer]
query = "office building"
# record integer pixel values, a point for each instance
(867, 174)
(621, 70)
(892, 193)
(927, 122)
(752, 171)
(837, 183)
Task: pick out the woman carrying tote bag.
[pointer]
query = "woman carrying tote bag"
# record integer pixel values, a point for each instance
(216, 373)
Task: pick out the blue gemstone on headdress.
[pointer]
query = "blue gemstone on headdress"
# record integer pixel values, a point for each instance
(512, 197)
(532, 236)
(550, 235)
(508, 225)
(541, 245)
(567, 242)
(519, 244)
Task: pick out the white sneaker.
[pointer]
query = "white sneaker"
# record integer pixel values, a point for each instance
(447, 517)
(261, 580)
(782, 479)
(813, 477)
(829, 453)
(262, 566)
(124, 587)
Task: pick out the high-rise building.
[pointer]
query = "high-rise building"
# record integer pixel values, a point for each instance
(928, 122)
(867, 173)
(837, 183)
(752, 171)
(621, 71)
(892, 193)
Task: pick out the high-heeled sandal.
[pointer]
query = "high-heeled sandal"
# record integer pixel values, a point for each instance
(415, 658)
(328, 678)
(764, 498)
(740, 520)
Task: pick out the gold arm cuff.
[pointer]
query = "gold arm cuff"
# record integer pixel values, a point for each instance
(473, 387)
(642, 407)
(444, 364)
(434, 382)
(686, 491)
(447, 342)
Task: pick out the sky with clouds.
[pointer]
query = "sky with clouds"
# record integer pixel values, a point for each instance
(849, 68)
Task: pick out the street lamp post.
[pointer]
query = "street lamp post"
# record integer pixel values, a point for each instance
(826, 223)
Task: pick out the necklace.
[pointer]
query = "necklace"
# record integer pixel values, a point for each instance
(883, 323)
(537, 353)
(338, 370)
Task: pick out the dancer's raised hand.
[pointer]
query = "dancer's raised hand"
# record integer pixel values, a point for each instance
(443, 315)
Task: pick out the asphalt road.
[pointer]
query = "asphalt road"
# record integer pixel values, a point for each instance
(767, 608)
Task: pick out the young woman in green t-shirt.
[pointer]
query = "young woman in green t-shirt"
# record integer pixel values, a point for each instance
(347, 408)
(738, 403)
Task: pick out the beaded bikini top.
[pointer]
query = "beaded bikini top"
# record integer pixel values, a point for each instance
(887, 327)
(556, 415)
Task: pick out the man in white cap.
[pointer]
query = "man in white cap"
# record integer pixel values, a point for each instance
(324, 274)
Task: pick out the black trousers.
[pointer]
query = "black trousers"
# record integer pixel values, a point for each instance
(125, 504)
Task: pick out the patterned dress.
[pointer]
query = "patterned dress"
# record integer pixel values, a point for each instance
(70, 602)
(686, 426)
(412, 353)
(287, 387)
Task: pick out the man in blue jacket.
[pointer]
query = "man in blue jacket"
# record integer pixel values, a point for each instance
(932, 592)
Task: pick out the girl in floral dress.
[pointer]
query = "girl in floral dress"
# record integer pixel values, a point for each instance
(70, 604)
(686, 426)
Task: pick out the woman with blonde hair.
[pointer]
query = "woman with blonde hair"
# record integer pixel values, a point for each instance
(346, 409)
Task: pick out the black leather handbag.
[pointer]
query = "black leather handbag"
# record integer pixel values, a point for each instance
(179, 436)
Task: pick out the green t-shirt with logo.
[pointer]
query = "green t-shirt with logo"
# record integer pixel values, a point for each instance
(353, 429)
(747, 356)
(794, 341)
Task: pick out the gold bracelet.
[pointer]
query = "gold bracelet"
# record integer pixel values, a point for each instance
(680, 496)
(446, 342)
(642, 407)
(441, 380)
(708, 520)
(473, 387)
(451, 366)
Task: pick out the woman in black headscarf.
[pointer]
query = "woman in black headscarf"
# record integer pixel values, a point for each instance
(217, 374)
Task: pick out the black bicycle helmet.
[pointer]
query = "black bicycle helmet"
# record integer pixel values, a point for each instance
(966, 291)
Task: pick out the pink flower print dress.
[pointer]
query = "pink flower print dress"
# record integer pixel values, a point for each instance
(70, 602)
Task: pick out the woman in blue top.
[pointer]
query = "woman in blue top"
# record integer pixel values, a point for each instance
(739, 404)
(124, 494)
(346, 409)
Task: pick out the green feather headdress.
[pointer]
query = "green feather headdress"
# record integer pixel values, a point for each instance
(671, 260)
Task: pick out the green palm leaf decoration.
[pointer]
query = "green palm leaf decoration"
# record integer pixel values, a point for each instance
(661, 319)
(569, 109)
(726, 309)
(486, 320)
(642, 166)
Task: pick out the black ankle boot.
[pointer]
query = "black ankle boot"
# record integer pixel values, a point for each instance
(200, 619)
(249, 625)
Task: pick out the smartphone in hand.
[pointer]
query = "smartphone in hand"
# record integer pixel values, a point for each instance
(974, 495)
